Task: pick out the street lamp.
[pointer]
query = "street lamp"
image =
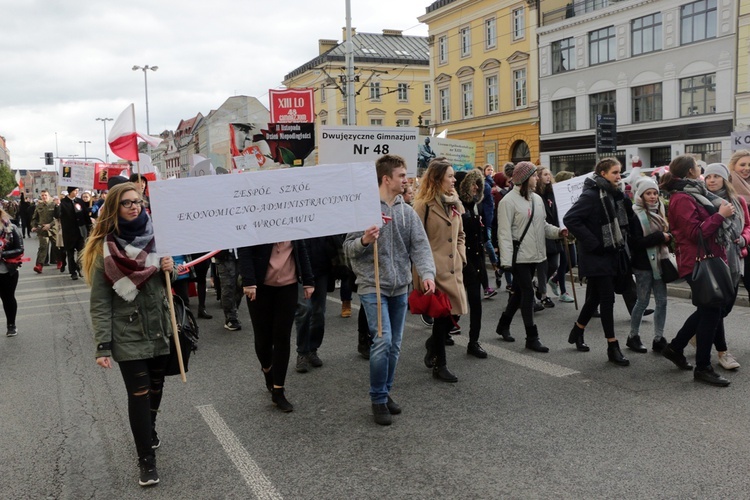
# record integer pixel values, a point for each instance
(85, 155)
(104, 122)
(145, 82)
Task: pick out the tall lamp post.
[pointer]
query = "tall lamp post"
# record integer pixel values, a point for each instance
(104, 122)
(145, 82)
(85, 154)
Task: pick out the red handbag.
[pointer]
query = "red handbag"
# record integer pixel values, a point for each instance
(436, 305)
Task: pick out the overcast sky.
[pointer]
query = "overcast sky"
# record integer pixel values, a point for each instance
(65, 63)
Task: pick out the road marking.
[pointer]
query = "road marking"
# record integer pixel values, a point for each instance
(42, 305)
(254, 477)
(21, 291)
(517, 358)
(521, 359)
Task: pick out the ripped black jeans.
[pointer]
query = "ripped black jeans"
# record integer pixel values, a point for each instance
(144, 381)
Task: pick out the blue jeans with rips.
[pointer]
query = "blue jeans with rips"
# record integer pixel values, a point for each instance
(645, 283)
(385, 350)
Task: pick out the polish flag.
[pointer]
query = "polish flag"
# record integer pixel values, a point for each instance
(123, 138)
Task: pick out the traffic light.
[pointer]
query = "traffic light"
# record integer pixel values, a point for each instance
(48, 159)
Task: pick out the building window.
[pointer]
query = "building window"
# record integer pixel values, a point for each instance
(698, 21)
(490, 33)
(465, 35)
(698, 95)
(403, 122)
(602, 45)
(426, 122)
(323, 122)
(646, 34)
(375, 91)
(427, 93)
(646, 103)
(519, 25)
(376, 122)
(519, 88)
(709, 152)
(445, 105)
(563, 55)
(493, 96)
(322, 92)
(443, 49)
(602, 103)
(564, 115)
(344, 121)
(403, 92)
(592, 5)
(467, 97)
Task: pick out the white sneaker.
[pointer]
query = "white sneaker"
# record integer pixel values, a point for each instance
(565, 297)
(728, 362)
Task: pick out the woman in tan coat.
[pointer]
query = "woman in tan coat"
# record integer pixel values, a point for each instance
(440, 210)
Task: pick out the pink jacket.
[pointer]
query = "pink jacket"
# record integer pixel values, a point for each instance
(746, 227)
(686, 216)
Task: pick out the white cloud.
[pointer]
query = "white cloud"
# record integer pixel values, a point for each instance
(66, 63)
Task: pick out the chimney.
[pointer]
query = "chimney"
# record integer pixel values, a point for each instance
(326, 45)
(392, 32)
(343, 33)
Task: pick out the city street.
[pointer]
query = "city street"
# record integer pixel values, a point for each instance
(517, 425)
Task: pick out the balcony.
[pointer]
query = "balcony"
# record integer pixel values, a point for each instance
(574, 9)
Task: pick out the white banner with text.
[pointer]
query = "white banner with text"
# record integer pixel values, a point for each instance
(567, 193)
(342, 144)
(199, 214)
(76, 173)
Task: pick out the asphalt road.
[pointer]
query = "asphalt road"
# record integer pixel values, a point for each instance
(516, 425)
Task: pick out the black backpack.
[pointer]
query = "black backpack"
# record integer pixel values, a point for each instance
(188, 331)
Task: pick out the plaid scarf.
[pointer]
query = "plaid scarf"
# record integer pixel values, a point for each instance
(710, 202)
(130, 257)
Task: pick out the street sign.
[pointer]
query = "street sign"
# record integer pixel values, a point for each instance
(606, 134)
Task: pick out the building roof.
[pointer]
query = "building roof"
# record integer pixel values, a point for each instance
(376, 49)
(437, 4)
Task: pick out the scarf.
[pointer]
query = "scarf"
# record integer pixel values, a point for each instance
(452, 205)
(710, 202)
(617, 218)
(741, 186)
(653, 220)
(130, 257)
(736, 223)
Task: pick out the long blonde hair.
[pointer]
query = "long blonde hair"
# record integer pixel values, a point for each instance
(432, 181)
(105, 224)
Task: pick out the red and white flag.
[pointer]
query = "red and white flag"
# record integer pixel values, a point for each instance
(123, 138)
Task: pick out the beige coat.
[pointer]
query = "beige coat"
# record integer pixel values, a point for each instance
(447, 240)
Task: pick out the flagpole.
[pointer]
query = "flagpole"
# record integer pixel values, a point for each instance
(137, 163)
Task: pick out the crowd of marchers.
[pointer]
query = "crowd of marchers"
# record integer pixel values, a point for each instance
(447, 235)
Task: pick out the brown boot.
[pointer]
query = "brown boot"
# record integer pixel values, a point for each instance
(346, 309)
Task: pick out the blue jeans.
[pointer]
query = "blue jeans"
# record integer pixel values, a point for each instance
(310, 316)
(385, 350)
(489, 249)
(645, 282)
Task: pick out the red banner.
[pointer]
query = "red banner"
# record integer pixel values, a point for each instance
(103, 172)
(292, 106)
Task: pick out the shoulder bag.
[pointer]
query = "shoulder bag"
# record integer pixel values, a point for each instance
(711, 283)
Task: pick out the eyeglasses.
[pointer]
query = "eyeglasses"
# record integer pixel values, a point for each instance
(130, 203)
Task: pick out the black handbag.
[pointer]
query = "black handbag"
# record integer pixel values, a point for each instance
(668, 270)
(624, 277)
(711, 284)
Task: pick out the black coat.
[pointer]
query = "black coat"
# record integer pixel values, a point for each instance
(550, 210)
(475, 236)
(585, 220)
(639, 243)
(253, 262)
(70, 212)
(12, 247)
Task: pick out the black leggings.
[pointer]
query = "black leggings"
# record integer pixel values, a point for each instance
(272, 315)
(522, 293)
(474, 296)
(144, 381)
(201, 271)
(600, 291)
(8, 283)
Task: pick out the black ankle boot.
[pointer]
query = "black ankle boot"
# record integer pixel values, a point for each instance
(634, 344)
(615, 354)
(532, 340)
(443, 373)
(503, 328)
(576, 337)
(278, 398)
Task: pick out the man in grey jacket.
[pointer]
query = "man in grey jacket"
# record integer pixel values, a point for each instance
(401, 242)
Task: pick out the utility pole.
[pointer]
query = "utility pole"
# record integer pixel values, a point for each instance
(351, 96)
(104, 122)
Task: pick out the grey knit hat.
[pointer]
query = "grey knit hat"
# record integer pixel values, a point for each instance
(718, 169)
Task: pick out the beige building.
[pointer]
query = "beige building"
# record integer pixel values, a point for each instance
(483, 66)
(393, 89)
(743, 68)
